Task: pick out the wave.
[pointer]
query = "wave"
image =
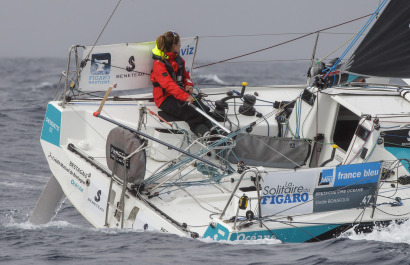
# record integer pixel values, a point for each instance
(201, 79)
(393, 233)
(43, 86)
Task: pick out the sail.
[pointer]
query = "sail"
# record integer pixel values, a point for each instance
(128, 65)
(385, 51)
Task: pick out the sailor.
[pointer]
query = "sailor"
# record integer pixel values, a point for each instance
(172, 84)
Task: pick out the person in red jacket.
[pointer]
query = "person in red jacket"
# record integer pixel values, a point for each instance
(172, 84)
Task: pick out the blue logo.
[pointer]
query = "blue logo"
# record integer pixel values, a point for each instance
(52, 126)
(100, 64)
(288, 198)
(187, 51)
(357, 174)
(218, 232)
(326, 177)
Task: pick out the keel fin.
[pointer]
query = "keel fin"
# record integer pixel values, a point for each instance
(48, 203)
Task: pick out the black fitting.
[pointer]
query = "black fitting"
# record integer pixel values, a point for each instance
(220, 107)
(83, 63)
(377, 126)
(250, 215)
(404, 180)
(247, 108)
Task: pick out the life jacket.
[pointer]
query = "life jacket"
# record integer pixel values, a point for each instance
(179, 75)
(169, 70)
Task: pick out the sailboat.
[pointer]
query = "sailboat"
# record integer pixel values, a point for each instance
(296, 163)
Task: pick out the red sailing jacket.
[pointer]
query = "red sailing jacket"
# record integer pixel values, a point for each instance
(167, 85)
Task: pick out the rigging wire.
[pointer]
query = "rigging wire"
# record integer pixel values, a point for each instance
(282, 43)
(98, 38)
(271, 34)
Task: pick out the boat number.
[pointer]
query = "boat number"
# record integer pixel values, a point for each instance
(366, 199)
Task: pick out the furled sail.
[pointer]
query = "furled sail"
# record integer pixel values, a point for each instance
(385, 51)
(128, 65)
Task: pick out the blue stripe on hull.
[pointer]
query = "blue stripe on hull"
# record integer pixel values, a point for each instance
(289, 235)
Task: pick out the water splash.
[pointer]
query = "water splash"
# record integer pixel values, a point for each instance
(394, 233)
(265, 241)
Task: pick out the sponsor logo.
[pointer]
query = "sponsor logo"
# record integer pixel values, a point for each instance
(357, 174)
(100, 69)
(100, 64)
(79, 170)
(253, 235)
(97, 197)
(131, 67)
(326, 177)
(287, 193)
(79, 180)
(187, 51)
(51, 126)
(287, 188)
(120, 156)
(76, 185)
(288, 198)
(96, 205)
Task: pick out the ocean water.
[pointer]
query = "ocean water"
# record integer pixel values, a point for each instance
(25, 88)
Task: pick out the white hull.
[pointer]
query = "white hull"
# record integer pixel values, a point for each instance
(181, 208)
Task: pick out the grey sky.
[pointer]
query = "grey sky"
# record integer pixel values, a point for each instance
(47, 28)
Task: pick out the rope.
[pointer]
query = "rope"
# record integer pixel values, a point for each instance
(282, 43)
(213, 173)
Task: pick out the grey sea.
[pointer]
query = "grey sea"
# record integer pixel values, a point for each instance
(26, 85)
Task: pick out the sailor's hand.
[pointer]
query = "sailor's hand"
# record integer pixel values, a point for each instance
(189, 89)
(190, 99)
